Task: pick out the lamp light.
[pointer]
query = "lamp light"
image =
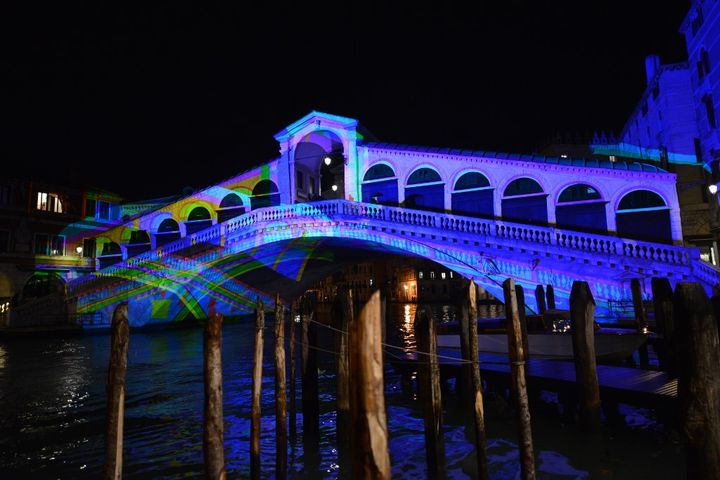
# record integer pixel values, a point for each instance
(327, 161)
(713, 188)
(334, 188)
(79, 249)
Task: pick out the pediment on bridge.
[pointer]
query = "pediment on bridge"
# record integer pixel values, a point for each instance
(316, 121)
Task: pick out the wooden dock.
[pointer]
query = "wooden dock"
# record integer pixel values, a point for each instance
(617, 384)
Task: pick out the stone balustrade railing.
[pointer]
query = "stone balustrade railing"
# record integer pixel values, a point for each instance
(330, 210)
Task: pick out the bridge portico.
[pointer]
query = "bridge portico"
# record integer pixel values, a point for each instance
(487, 216)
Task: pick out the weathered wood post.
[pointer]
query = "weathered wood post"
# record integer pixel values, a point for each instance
(343, 319)
(293, 375)
(582, 316)
(520, 298)
(213, 432)
(664, 324)
(463, 385)
(517, 376)
(371, 459)
(478, 407)
(280, 393)
(550, 292)
(640, 317)
(117, 369)
(430, 394)
(310, 395)
(540, 299)
(698, 381)
(255, 412)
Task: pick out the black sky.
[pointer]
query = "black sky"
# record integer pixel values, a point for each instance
(146, 99)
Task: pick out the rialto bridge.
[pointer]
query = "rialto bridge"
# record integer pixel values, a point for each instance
(333, 196)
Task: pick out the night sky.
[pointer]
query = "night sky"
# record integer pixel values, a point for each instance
(145, 100)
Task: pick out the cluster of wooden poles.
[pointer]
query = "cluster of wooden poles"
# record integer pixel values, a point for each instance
(690, 345)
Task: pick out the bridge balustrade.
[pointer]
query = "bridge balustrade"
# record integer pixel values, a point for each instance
(314, 211)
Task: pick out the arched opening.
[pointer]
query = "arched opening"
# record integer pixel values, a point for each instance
(136, 242)
(198, 219)
(643, 215)
(319, 167)
(425, 190)
(473, 195)
(110, 253)
(581, 207)
(524, 201)
(168, 231)
(380, 185)
(41, 284)
(231, 206)
(265, 194)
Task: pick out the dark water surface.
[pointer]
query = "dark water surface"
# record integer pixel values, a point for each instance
(52, 407)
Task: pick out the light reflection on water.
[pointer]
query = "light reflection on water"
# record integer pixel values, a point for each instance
(52, 407)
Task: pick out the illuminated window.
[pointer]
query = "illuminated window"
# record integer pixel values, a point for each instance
(451, 275)
(49, 202)
(432, 274)
(442, 275)
(421, 275)
(49, 244)
(371, 282)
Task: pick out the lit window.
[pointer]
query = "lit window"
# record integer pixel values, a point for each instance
(49, 244)
(49, 202)
(451, 275)
(371, 282)
(613, 158)
(421, 275)
(432, 274)
(442, 275)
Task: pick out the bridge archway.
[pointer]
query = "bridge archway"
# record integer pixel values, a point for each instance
(472, 195)
(524, 200)
(425, 189)
(198, 218)
(231, 206)
(644, 215)
(167, 231)
(380, 185)
(581, 207)
(265, 194)
(135, 240)
(319, 160)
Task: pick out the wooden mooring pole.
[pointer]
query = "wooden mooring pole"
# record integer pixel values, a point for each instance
(293, 376)
(478, 408)
(310, 395)
(343, 319)
(582, 316)
(371, 459)
(664, 324)
(213, 431)
(698, 381)
(256, 391)
(540, 299)
(640, 317)
(281, 440)
(117, 370)
(430, 394)
(550, 292)
(517, 375)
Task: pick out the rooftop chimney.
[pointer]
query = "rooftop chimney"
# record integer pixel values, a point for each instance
(652, 64)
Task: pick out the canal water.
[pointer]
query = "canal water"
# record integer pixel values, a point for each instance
(52, 408)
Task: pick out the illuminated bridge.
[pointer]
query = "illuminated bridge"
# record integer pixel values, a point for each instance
(334, 196)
